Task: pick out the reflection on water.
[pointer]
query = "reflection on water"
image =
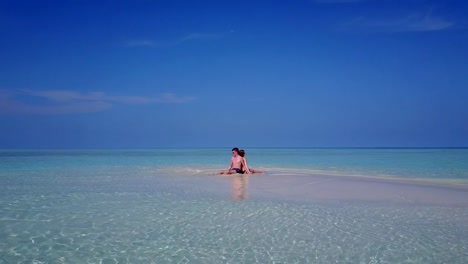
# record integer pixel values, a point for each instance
(239, 184)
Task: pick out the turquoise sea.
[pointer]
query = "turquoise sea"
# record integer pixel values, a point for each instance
(166, 206)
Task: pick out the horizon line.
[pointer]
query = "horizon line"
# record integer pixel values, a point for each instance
(251, 147)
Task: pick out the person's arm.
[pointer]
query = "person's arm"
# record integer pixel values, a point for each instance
(230, 165)
(244, 163)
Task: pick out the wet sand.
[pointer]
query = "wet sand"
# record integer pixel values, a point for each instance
(308, 186)
(349, 188)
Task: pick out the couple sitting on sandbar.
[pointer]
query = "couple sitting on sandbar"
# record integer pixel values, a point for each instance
(239, 164)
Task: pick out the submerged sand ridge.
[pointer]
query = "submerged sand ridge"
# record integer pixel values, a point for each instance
(315, 187)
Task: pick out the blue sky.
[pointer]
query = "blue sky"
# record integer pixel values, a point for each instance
(304, 73)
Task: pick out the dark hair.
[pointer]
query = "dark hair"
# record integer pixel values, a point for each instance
(236, 149)
(241, 153)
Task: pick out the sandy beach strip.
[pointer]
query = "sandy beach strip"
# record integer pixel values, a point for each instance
(322, 187)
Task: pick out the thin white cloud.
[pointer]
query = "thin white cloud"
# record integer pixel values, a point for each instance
(172, 98)
(64, 95)
(142, 43)
(169, 43)
(68, 102)
(415, 22)
(194, 36)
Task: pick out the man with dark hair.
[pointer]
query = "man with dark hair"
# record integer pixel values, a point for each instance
(236, 163)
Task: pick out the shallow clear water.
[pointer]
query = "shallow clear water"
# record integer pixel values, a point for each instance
(161, 206)
(419, 163)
